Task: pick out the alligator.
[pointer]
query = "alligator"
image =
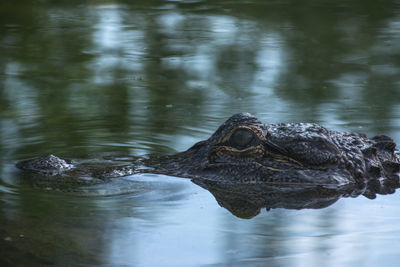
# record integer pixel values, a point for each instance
(244, 153)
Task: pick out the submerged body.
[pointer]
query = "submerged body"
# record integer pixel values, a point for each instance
(245, 151)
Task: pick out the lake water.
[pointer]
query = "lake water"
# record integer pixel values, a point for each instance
(81, 79)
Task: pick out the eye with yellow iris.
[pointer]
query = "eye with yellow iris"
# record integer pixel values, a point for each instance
(243, 138)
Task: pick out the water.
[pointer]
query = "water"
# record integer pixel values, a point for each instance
(135, 77)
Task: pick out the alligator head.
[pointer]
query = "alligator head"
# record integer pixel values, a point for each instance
(245, 151)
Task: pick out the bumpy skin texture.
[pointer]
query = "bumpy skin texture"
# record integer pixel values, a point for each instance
(49, 165)
(245, 151)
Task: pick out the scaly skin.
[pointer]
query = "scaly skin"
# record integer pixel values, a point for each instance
(245, 151)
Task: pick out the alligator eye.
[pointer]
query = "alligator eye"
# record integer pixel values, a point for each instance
(241, 138)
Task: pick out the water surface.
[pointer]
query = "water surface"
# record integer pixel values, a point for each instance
(135, 77)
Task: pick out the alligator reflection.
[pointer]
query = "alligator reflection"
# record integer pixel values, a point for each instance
(247, 200)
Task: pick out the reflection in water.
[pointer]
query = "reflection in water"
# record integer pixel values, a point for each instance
(247, 200)
(155, 76)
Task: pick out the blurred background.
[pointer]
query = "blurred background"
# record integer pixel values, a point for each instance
(83, 78)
